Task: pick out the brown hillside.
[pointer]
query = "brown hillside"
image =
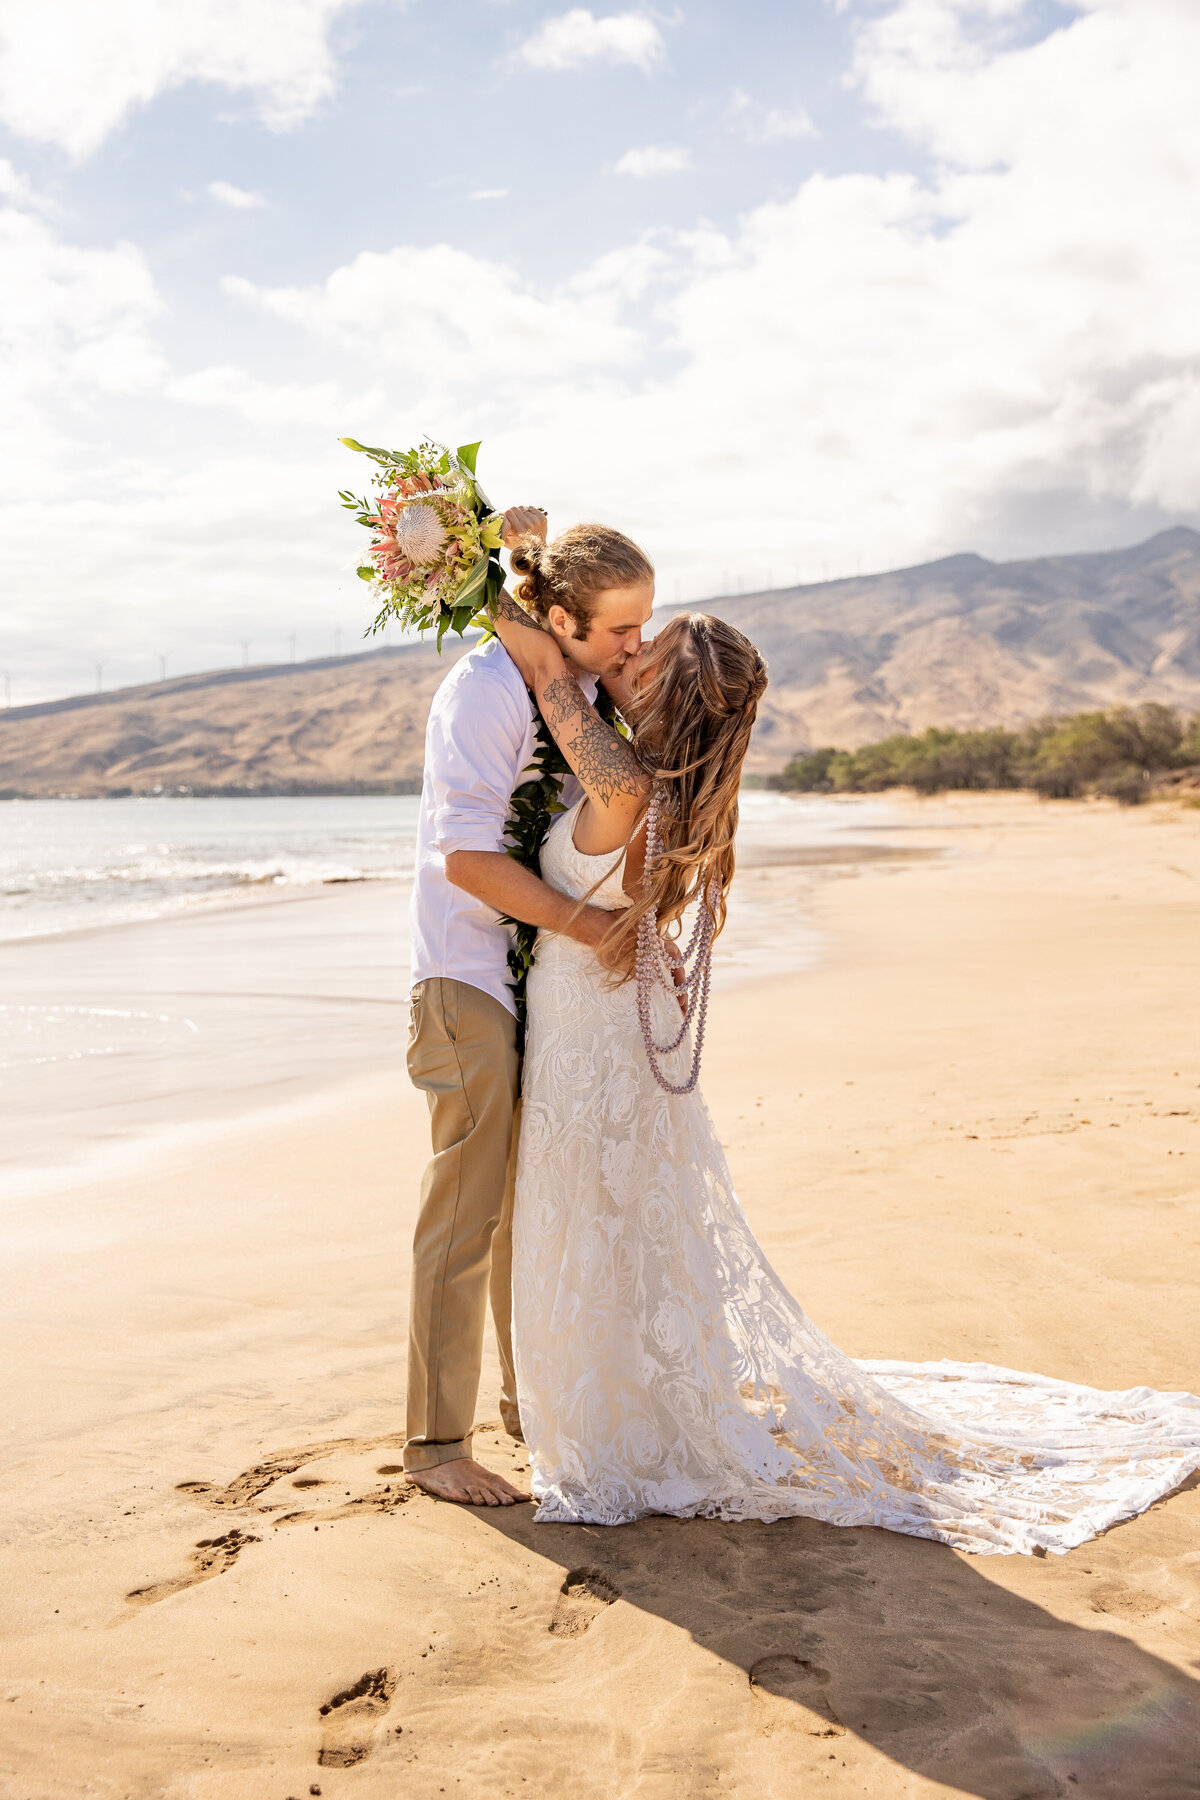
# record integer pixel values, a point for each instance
(351, 724)
(963, 642)
(966, 643)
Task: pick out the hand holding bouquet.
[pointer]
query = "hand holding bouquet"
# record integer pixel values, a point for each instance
(434, 559)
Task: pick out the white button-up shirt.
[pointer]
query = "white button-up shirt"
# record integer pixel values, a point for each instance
(478, 745)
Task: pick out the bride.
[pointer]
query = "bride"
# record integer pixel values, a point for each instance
(662, 1367)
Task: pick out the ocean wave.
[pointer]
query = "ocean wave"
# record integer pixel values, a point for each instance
(44, 902)
(173, 872)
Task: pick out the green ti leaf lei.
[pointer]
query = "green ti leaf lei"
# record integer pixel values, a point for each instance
(534, 806)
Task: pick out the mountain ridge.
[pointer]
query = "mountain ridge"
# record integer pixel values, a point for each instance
(960, 641)
(965, 642)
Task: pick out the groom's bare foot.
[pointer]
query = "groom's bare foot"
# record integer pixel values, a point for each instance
(466, 1481)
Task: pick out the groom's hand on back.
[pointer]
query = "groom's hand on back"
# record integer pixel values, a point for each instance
(590, 926)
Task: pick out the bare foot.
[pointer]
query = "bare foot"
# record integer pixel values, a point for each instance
(466, 1481)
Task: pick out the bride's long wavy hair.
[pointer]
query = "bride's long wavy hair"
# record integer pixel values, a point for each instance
(691, 716)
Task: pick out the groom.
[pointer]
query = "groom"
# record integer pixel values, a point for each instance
(462, 1050)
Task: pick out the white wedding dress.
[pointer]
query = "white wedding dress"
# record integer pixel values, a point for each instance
(662, 1367)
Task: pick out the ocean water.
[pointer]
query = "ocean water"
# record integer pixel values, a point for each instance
(78, 864)
(71, 864)
(67, 865)
(173, 964)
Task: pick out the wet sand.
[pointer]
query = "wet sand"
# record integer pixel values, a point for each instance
(972, 1130)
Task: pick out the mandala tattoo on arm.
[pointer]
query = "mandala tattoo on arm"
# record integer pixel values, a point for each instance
(602, 759)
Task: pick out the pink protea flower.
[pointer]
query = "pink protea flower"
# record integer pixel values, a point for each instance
(431, 531)
(420, 533)
(388, 560)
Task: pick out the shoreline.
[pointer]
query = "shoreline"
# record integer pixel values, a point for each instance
(775, 927)
(758, 849)
(268, 894)
(126, 1038)
(235, 900)
(241, 1115)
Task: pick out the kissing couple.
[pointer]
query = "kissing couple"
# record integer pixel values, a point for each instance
(651, 1359)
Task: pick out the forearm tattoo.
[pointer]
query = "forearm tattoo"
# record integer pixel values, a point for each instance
(507, 608)
(602, 759)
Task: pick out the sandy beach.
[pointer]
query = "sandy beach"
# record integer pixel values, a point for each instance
(971, 1130)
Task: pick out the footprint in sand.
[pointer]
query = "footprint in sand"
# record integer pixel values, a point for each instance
(376, 1500)
(1124, 1602)
(351, 1718)
(245, 1488)
(794, 1681)
(211, 1557)
(582, 1597)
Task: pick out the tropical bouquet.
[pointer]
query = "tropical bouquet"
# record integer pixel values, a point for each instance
(434, 558)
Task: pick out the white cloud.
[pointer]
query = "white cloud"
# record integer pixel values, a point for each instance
(124, 515)
(13, 185)
(320, 403)
(451, 321)
(489, 194)
(72, 69)
(75, 325)
(1002, 354)
(769, 124)
(654, 159)
(774, 126)
(241, 199)
(578, 37)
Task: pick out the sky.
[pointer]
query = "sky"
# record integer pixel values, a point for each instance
(786, 291)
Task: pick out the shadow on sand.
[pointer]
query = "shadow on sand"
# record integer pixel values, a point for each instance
(907, 1646)
(839, 1634)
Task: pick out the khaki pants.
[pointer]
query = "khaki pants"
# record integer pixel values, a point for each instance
(463, 1054)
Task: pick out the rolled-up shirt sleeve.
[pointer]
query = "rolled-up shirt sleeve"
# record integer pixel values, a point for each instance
(476, 749)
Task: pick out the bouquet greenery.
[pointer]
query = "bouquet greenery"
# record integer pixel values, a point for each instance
(434, 559)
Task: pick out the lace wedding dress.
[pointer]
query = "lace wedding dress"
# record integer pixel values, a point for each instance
(662, 1367)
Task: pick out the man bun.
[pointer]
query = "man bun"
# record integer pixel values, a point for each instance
(526, 560)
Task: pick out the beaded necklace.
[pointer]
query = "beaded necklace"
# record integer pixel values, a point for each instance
(654, 970)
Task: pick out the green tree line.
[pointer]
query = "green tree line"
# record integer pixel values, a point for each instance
(1118, 753)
